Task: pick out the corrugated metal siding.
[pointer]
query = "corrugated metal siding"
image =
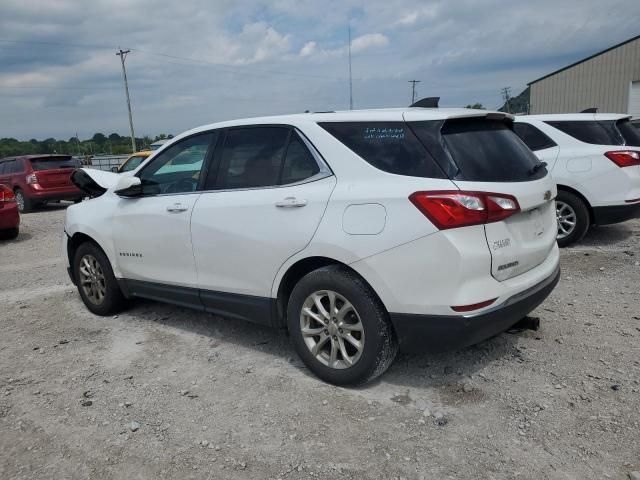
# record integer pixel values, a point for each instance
(603, 81)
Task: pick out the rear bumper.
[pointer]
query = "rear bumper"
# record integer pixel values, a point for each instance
(41, 194)
(9, 217)
(615, 213)
(437, 333)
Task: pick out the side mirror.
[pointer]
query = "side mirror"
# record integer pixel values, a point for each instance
(128, 186)
(114, 169)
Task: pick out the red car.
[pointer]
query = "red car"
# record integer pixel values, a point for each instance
(9, 216)
(36, 179)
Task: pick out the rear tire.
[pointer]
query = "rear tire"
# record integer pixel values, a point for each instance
(25, 205)
(357, 318)
(96, 283)
(9, 234)
(573, 218)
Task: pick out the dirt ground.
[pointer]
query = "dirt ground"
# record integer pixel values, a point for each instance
(164, 392)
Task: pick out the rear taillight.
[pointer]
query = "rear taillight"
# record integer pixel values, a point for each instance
(6, 195)
(32, 179)
(456, 208)
(624, 158)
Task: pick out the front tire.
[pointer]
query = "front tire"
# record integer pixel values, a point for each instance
(573, 218)
(96, 283)
(339, 327)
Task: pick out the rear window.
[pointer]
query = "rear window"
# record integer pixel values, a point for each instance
(629, 132)
(389, 146)
(479, 150)
(590, 131)
(52, 163)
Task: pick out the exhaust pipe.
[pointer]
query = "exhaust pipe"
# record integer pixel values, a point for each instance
(527, 323)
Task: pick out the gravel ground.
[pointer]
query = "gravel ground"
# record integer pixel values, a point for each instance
(163, 392)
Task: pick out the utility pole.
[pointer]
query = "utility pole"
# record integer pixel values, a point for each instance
(78, 143)
(123, 54)
(413, 90)
(350, 78)
(506, 94)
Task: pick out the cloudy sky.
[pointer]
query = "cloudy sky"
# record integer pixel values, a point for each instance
(194, 62)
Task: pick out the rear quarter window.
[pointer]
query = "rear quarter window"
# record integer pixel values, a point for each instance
(388, 146)
(479, 150)
(532, 137)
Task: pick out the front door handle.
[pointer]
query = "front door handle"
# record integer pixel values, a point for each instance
(291, 202)
(177, 207)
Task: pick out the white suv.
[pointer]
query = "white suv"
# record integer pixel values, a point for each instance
(359, 231)
(595, 161)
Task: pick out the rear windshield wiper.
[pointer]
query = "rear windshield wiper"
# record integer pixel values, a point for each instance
(536, 168)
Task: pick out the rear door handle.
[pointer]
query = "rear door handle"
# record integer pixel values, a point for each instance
(177, 207)
(291, 202)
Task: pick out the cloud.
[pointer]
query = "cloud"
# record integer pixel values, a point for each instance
(308, 49)
(370, 40)
(192, 64)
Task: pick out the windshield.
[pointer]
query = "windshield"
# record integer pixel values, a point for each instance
(39, 164)
(132, 164)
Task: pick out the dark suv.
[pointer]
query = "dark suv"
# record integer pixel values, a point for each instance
(37, 179)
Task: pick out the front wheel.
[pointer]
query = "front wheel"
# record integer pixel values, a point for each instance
(573, 218)
(96, 283)
(339, 327)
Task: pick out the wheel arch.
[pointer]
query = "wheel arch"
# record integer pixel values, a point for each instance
(575, 192)
(75, 241)
(298, 270)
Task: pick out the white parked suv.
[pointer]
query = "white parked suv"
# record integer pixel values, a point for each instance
(359, 232)
(595, 160)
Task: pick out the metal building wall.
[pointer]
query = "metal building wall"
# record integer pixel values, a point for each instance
(602, 81)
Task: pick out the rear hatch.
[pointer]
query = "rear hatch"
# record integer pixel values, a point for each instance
(483, 154)
(54, 171)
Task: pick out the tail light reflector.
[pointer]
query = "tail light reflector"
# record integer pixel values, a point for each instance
(624, 158)
(474, 306)
(32, 179)
(6, 195)
(457, 208)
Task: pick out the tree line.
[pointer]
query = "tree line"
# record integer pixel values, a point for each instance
(99, 144)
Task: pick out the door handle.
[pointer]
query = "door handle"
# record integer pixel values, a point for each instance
(291, 202)
(177, 207)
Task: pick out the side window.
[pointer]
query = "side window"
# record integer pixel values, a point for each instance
(532, 137)
(388, 146)
(299, 163)
(252, 157)
(178, 169)
(2, 164)
(10, 167)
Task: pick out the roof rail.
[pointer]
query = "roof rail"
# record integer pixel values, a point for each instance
(428, 102)
(590, 110)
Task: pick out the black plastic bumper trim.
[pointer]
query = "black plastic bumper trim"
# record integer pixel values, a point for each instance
(438, 333)
(615, 213)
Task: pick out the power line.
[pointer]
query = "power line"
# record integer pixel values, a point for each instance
(123, 54)
(229, 67)
(413, 90)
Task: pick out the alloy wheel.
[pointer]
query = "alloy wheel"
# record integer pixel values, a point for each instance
(566, 217)
(92, 279)
(20, 200)
(332, 329)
